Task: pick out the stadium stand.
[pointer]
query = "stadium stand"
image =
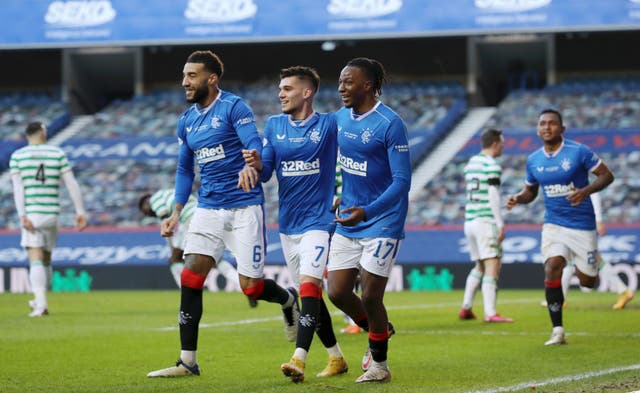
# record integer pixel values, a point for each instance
(17, 109)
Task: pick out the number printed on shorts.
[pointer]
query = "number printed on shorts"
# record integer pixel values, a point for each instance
(40, 176)
(592, 257)
(385, 248)
(257, 254)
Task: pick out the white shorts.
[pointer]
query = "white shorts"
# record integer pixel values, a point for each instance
(581, 246)
(482, 238)
(45, 234)
(241, 230)
(375, 255)
(306, 254)
(179, 235)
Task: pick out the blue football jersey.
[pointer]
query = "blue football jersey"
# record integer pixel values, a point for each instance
(213, 137)
(558, 175)
(376, 170)
(303, 155)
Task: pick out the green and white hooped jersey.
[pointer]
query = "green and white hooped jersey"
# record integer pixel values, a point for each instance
(41, 168)
(480, 172)
(162, 203)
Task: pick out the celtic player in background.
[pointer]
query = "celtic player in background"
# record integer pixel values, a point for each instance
(161, 205)
(36, 173)
(484, 227)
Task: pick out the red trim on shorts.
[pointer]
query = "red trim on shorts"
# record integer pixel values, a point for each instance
(553, 284)
(379, 336)
(190, 279)
(309, 289)
(256, 290)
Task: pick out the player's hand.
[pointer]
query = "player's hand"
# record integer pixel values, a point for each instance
(252, 158)
(26, 224)
(577, 196)
(356, 214)
(248, 178)
(168, 225)
(81, 222)
(502, 233)
(601, 228)
(512, 201)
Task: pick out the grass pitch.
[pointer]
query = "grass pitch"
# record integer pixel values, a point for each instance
(107, 341)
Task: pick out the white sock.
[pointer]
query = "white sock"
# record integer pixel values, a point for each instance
(614, 281)
(188, 357)
(470, 288)
(49, 270)
(176, 271)
(335, 351)
(38, 281)
(301, 354)
(289, 301)
(567, 275)
(489, 289)
(229, 272)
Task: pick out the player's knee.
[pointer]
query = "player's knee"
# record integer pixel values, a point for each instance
(191, 279)
(255, 290)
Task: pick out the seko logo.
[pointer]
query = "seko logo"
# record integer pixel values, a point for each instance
(363, 8)
(79, 13)
(220, 11)
(510, 5)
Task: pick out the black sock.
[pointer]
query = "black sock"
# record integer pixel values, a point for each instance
(324, 327)
(555, 299)
(307, 322)
(379, 349)
(363, 323)
(273, 292)
(189, 317)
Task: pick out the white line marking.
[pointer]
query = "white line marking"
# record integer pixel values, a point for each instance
(407, 307)
(568, 378)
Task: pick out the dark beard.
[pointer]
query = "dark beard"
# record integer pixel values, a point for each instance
(199, 95)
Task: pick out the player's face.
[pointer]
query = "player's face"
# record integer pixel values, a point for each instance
(293, 93)
(146, 209)
(499, 146)
(195, 80)
(353, 87)
(549, 129)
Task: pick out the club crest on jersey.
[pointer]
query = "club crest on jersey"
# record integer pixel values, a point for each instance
(366, 135)
(215, 122)
(566, 164)
(315, 136)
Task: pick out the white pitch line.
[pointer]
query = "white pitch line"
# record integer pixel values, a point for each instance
(568, 378)
(407, 307)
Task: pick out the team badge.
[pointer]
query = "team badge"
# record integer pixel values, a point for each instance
(366, 135)
(566, 164)
(215, 122)
(315, 136)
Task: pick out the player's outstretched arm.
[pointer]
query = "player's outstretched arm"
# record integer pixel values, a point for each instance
(528, 194)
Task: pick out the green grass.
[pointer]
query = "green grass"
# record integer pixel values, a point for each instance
(106, 341)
